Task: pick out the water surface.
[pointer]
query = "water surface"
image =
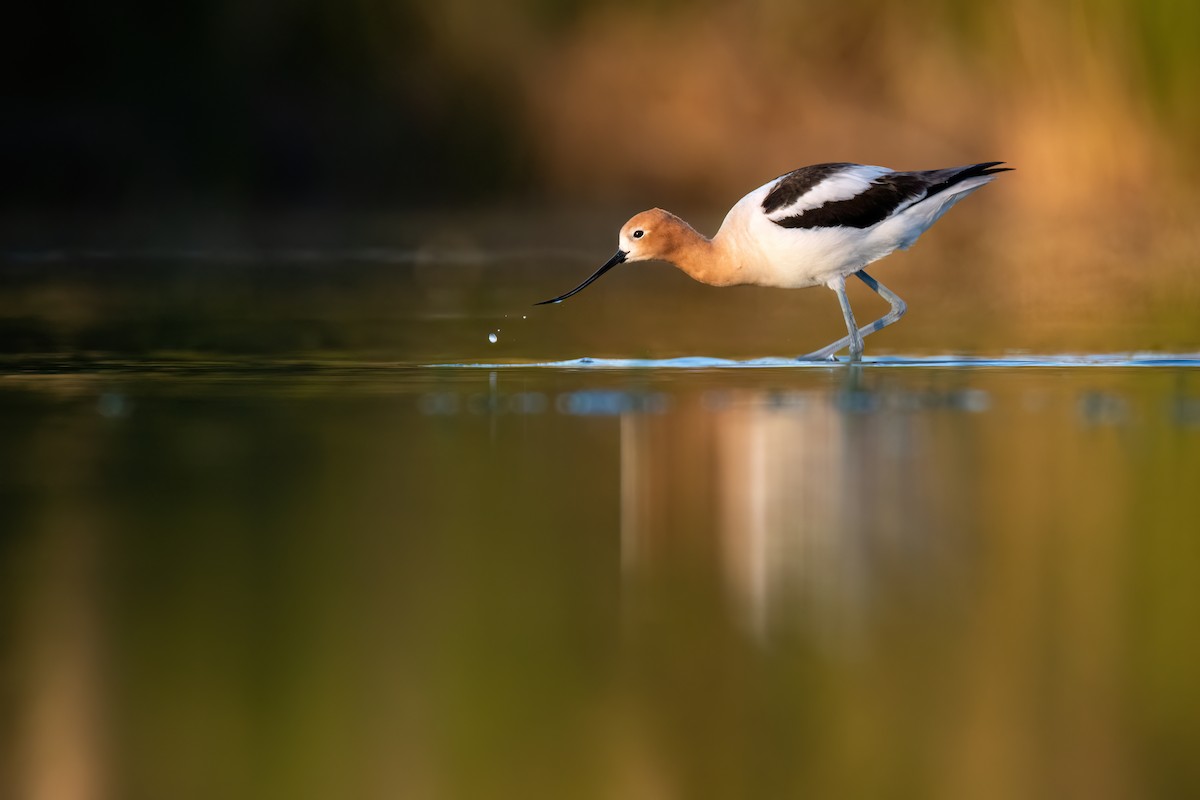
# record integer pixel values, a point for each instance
(257, 544)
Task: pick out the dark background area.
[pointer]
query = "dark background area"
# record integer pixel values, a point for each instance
(111, 106)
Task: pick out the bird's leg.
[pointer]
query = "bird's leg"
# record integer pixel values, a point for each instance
(898, 309)
(856, 342)
(838, 285)
(898, 305)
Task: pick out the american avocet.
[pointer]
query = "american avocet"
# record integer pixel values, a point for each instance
(816, 225)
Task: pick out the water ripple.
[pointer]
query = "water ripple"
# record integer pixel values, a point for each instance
(706, 362)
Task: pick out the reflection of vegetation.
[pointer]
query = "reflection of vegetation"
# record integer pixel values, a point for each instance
(284, 586)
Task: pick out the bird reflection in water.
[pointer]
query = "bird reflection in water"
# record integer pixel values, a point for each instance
(806, 505)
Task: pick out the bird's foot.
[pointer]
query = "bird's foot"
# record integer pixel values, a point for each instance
(819, 357)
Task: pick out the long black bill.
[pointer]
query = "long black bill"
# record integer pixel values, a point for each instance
(612, 262)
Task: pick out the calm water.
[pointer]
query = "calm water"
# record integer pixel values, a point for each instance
(254, 546)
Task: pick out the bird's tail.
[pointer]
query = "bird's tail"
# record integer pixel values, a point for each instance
(986, 168)
(943, 179)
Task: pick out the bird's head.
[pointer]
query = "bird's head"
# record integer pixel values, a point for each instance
(650, 235)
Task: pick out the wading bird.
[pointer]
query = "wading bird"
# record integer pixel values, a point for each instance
(815, 225)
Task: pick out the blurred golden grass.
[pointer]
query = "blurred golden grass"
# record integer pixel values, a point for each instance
(676, 100)
(698, 97)
(674, 106)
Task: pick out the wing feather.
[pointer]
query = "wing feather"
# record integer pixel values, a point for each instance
(856, 196)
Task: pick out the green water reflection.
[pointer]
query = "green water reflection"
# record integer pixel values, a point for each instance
(570, 583)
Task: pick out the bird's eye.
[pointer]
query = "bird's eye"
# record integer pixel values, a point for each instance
(638, 234)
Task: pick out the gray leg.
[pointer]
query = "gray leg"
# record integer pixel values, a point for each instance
(898, 305)
(898, 309)
(854, 339)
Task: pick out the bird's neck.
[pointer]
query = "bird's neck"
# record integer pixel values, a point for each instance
(703, 259)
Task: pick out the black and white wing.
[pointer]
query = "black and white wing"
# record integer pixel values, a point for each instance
(855, 195)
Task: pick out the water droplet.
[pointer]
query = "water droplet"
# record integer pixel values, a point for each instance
(492, 338)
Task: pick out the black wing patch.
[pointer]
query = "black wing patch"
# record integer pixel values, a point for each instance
(796, 184)
(873, 205)
(883, 197)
